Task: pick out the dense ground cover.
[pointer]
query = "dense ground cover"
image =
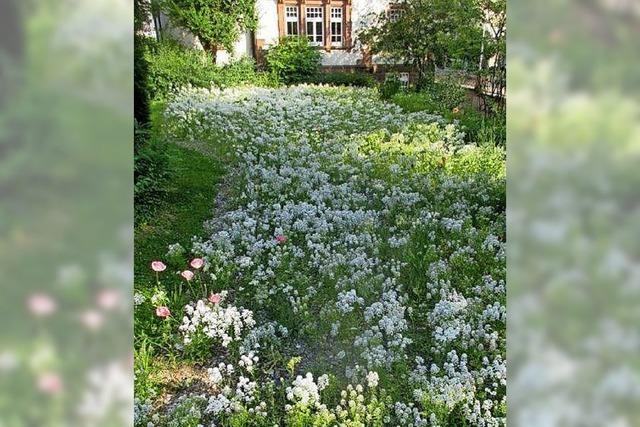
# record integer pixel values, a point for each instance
(356, 277)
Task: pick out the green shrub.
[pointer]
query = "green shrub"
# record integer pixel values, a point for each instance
(293, 60)
(444, 97)
(447, 93)
(172, 66)
(151, 172)
(390, 87)
(345, 79)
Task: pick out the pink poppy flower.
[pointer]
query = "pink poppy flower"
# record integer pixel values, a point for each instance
(187, 274)
(41, 304)
(197, 263)
(215, 298)
(108, 299)
(50, 383)
(158, 266)
(163, 312)
(281, 239)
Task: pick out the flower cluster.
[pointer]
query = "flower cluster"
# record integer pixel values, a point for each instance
(360, 236)
(225, 324)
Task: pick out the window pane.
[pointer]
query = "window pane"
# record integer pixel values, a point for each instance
(309, 28)
(292, 28)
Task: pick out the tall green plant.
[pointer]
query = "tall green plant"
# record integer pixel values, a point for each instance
(216, 23)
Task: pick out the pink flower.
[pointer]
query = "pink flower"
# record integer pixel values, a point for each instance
(158, 266)
(197, 263)
(215, 298)
(163, 312)
(281, 239)
(187, 274)
(108, 299)
(41, 304)
(50, 383)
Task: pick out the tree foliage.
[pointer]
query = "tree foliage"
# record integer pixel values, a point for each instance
(493, 58)
(216, 23)
(426, 33)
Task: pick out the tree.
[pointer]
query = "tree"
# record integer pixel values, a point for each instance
(216, 23)
(493, 56)
(423, 33)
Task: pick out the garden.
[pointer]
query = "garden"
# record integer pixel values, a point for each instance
(315, 249)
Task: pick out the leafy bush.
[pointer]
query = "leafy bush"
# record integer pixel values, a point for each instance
(151, 171)
(345, 79)
(172, 66)
(390, 87)
(447, 93)
(294, 60)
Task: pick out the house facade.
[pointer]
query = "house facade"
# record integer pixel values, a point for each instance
(330, 25)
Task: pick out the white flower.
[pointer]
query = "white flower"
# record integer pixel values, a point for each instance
(138, 299)
(372, 379)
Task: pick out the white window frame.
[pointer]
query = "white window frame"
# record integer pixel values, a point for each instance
(337, 38)
(404, 79)
(315, 15)
(291, 15)
(394, 13)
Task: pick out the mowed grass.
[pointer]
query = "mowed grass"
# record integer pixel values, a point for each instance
(189, 201)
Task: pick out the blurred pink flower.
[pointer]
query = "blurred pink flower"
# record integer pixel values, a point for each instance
(163, 312)
(281, 239)
(50, 383)
(92, 319)
(197, 263)
(41, 304)
(158, 266)
(215, 298)
(187, 274)
(108, 299)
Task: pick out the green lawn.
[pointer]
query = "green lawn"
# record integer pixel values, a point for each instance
(189, 201)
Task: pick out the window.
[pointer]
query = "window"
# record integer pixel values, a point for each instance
(291, 18)
(315, 25)
(404, 79)
(394, 13)
(336, 26)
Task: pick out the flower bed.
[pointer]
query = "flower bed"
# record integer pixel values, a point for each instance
(357, 276)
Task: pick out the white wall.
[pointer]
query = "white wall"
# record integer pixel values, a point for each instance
(341, 58)
(267, 21)
(184, 37)
(243, 47)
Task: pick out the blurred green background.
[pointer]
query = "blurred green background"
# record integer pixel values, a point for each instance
(66, 213)
(573, 213)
